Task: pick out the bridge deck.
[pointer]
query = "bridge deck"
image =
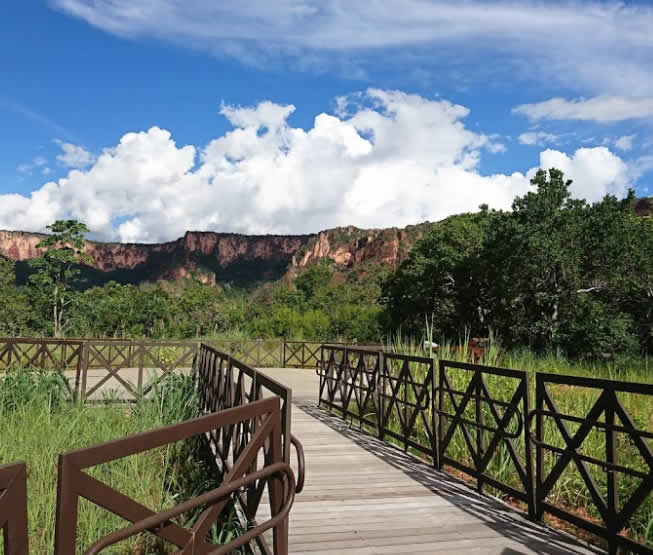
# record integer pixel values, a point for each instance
(363, 496)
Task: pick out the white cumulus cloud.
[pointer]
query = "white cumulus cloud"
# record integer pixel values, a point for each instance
(393, 159)
(595, 171)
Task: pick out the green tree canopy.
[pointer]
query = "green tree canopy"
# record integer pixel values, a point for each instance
(56, 270)
(554, 272)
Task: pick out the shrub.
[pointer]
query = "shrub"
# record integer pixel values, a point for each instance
(22, 386)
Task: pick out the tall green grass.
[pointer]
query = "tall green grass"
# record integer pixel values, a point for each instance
(570, 491)
(37, 422)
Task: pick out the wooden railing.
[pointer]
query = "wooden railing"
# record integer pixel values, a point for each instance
(41, 353)
(484, 412)
(246, 427)
(263, 418)
(97, 369)
(13, 508)
(107, 354)
(225, 382)
(135, 365)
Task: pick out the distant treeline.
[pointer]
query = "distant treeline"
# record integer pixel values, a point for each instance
(311, 308)
(554, 273)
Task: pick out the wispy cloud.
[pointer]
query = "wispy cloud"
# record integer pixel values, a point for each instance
(595, 46)
(44, 121)
(624, 143)
(538, 138)
(600, 109)
(36, 163)
(73, 156)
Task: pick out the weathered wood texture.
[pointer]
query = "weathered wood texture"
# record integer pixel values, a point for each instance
(363, 496)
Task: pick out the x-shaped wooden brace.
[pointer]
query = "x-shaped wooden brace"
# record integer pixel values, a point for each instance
(644, 489)
(111, 372)
(165, 368)
(422, 397)
(499, 435)
(362, 391)
(333, 384)
(459, 411)
(573, 443)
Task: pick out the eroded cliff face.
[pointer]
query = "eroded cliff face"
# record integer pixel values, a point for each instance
(19, 245)
(350, 246)
(218, 257)
(228, 248)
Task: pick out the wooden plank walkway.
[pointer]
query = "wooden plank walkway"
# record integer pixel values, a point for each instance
(363, 497)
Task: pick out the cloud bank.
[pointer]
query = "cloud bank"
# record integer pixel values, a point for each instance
(386, 158)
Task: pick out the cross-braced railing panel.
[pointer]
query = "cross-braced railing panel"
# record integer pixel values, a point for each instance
(348, 383)
(46, 354)
(301, 354)
(259, 353)
(117, 353)
(225, 382)
(275, 474)
(481, 426)
(599, 442)
(406, 392)
(129, 369)
(13, 508)
(330, 370)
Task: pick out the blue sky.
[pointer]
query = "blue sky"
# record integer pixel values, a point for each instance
(146, 118)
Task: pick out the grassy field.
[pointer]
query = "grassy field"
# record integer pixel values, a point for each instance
(570, 491)
(37, 422)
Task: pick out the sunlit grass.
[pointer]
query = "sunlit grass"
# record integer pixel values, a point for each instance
(37, 422)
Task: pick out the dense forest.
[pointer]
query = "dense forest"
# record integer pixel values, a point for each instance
(553, 273)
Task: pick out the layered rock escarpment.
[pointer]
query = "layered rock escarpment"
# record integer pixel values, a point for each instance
(229, 257)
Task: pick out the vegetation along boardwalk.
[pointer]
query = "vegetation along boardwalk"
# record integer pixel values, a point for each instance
(546, 445)
(364, 496)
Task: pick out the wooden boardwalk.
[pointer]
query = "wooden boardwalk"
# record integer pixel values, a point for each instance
(363, 497)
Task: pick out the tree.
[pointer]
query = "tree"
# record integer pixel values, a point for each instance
(554, 272)
(312, 279)
(56, 270)
(441, 277)
(15, 307)
(535, 261)
(199, 306)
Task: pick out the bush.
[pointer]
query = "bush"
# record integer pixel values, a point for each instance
(21, 386)
(592, 329)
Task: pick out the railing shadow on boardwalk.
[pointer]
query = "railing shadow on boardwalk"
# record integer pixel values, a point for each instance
(493, 513)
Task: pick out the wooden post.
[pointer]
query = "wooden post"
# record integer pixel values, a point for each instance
(283, 353)
(380, 386)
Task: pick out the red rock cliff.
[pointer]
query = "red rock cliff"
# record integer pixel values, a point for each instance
(207, 255)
